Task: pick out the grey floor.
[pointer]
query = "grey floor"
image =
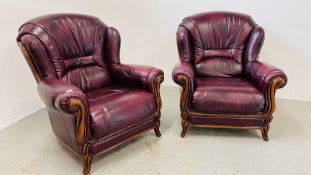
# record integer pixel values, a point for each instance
(29, 147)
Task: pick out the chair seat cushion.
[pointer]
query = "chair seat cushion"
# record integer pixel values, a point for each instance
(227, 95)
(116, 107)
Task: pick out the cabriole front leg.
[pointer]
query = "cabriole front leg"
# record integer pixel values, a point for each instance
(184, 123)
(185, 126)
(264, 132)
(157, 125)
(265, 128)
(87, 161)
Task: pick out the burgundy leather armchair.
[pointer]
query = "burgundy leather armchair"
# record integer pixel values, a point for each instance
(94, 102)
(223, 83)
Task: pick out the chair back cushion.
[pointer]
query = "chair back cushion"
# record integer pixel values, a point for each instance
(69, 47)
(218, 41)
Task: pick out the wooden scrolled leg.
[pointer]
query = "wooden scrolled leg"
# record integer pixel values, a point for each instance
(264, 132)
(87, 161)
(157, 125)
(185, 125)
(265, 128)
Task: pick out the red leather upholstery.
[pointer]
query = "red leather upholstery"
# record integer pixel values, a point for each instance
(73, 48)
(136, 75)
(77, 57)
(230, 95)
(217, 41)
(116, 107)
(220, 71)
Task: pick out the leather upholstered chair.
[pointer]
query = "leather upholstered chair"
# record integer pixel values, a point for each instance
(94, 102)
(223, 83)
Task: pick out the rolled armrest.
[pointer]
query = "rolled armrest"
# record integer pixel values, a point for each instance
(137, 76)
(57, 93)
(183, 75)
(263, 74)
(183, 72)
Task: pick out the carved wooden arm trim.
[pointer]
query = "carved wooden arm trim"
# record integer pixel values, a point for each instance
(185, 95)
(78, 108)
(158, 80)
(276, 83)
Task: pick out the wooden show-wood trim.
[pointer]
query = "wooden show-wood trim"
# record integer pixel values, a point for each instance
(77, 107)
(29, 61)
(225, 126)
(274, 85)
(158, 80)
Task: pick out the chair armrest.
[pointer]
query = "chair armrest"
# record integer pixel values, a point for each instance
(263, 75)
(183, 73)
(57, 93)
(137, 76)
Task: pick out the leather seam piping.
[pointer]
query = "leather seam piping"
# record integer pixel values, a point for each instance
(188, 56)
(48, 34)
(234, 44)
(260, 47)
(51, 38)
(94, 37)
(31, 34)
(203, 46)
(131, 126)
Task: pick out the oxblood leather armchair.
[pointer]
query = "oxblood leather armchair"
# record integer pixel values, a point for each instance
(94, 102)
(223, 83)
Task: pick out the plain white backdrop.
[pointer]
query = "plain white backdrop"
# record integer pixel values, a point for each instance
(148, 31)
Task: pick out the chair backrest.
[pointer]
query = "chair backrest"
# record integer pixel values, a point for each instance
(217, 42)
(68, 47)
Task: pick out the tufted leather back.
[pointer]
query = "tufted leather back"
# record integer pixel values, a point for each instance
(217, 42)
(69, 47)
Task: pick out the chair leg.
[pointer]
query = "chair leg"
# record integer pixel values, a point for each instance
(264, 132)
(157, 131)
(157, 126)
(185, 126)
(87, 161)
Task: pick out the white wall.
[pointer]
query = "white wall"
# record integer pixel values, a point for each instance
(148, 30)
(18, 89)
